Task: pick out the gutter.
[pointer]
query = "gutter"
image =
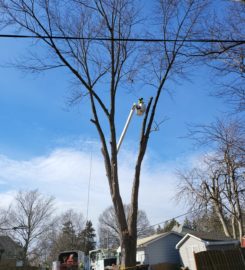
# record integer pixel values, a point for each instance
(220, 243)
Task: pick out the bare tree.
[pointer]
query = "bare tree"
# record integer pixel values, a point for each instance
(102, 67)
(3, 219)
(201, 189)
(63, 235)
(205, 220)
(220, 183)
(227, 58)
(109, 233)
(76, 218)
(31, 212)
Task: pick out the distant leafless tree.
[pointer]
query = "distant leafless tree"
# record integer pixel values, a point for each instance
(54, 240)
(31, 212)
(3, 219)
(109, 234)
(63, 233)
(202, 188)
(219, 183)
(205, 220)
(77, 219)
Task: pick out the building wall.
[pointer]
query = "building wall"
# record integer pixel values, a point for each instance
(187, 250)
(162, 250)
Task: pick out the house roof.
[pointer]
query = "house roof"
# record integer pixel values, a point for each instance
(210, 236)
(150, 239)
(207, 238)
(6, 243)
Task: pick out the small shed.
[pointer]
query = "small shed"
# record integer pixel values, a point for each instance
(199, 241)
(158, 249)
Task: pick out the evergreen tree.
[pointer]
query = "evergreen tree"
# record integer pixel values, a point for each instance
(188, 223)
(208, 222)
(64, 233)
(159, 229)
(87, 238)
(68, 236)
(168, 226)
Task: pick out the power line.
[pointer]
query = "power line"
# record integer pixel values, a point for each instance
(185, 214)
(182, 215)
(150, 40)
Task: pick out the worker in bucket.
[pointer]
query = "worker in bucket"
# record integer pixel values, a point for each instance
(140, 107)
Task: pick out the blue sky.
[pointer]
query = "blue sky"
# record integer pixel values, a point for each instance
(46, 144)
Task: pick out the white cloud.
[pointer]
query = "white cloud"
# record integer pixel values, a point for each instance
(6, 198)
(65, 174)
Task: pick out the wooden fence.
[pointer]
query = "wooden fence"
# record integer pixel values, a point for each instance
(4, 267)
(220, 260)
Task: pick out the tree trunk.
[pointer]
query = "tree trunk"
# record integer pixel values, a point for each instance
(231, 169)
(233, 225)
(222, 220)
(240, 228)
(25, 260)
(128, 251)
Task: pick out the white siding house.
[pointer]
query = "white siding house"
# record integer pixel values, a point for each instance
(158, 248)
(197, 242)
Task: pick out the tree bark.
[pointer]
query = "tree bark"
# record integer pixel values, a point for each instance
(222, 220)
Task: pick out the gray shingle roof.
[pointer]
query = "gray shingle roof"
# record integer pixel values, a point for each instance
(210, 236)
(147, 240)
(144, 241)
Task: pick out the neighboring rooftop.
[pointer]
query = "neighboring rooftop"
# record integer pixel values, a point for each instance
(147, 240)
(208, 239)
(210, 236)
(7, 243)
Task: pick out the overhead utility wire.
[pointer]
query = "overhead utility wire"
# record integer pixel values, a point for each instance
(182, 215)
(202, 40)
(185, 214)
